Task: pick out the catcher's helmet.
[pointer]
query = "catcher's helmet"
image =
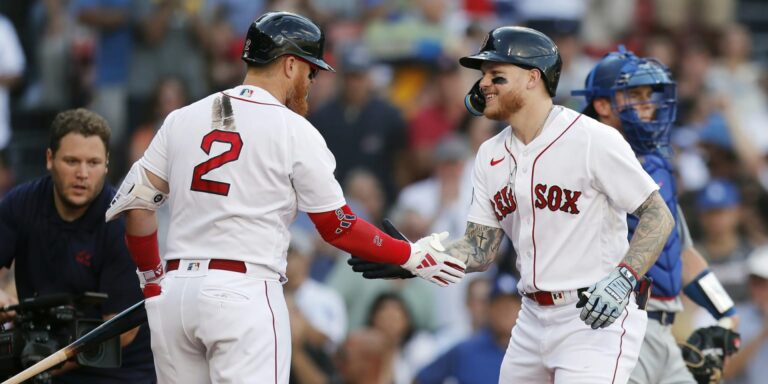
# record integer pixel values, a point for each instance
(621, 70)
(284, 33)
(524, 47)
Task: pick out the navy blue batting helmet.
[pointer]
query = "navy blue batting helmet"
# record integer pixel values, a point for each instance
(620, 71)
(524, 47)
(275, 34)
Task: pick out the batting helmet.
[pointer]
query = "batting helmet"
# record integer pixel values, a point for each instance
(524, 47)
(620, 71)
(275, 34)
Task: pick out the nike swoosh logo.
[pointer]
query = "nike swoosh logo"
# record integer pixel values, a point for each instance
(494, 162)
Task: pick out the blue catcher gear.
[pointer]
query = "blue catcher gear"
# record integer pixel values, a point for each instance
(619, 73)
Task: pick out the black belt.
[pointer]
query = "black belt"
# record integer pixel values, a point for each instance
(665, 318)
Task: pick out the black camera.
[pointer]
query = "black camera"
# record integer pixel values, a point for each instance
(44, 325)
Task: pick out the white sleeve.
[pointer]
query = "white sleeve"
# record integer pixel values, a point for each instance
(155, 158)
(481, 210)
(617, 172)
(11, 55)
(312, 171)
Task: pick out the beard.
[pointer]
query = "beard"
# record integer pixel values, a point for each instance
(506, 105)
(297, 97)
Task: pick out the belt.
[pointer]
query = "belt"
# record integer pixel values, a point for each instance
(665, 318)
(225, 265)
(546, 298)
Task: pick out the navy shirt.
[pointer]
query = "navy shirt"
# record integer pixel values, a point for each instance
(474, 361)
(85, 255)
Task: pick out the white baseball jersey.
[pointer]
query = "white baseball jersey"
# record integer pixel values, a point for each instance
(236, 189)
(562, 199)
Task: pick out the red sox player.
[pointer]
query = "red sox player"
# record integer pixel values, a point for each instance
(235, 167)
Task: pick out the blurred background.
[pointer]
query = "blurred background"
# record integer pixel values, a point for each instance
(393, 116)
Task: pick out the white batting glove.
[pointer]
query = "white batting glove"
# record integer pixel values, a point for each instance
(429, 261)
(153, 276)
(604, 301)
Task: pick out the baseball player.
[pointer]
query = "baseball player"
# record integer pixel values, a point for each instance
(559, 184)
(235, 167)
(637, 97)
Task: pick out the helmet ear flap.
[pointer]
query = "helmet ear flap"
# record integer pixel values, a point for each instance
(475, 100)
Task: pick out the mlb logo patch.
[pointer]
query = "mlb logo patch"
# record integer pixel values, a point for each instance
(246, 92)
(193, 266)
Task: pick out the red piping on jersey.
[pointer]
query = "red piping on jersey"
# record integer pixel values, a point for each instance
(251, 101)
(510, 152)
(533, 207)
(621, 344)
(274, 331)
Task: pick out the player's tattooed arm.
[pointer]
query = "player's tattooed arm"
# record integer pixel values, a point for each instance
(656, 222)
(477, 249)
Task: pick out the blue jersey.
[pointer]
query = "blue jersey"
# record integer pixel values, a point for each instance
(668, 269)
(476, 360)
(85, 255)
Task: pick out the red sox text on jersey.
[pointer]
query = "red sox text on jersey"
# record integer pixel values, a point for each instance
(554, 198)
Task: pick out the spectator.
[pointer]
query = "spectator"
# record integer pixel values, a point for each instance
(111, 19)
(53, 228)
(441, 116)
(748, 366)
(365, 358)
(317, 314)
(477, 360)
(719, 206)
(361, 129)
(413, 348)
(11, 71)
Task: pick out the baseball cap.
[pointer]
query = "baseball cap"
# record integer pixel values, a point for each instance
(355, 58)
(757, 262)
(451, 148)
(717, 194)
(503, 284)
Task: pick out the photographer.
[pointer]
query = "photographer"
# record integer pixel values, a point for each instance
(53, 227)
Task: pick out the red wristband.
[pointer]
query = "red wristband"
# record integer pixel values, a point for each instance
(144, 251)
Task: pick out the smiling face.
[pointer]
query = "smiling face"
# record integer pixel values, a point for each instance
(503, 85)
(78, 168)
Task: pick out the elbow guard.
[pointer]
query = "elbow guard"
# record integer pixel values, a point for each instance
(136, 192)
(706, 291)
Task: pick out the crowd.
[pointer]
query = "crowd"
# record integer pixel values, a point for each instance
(393, 115)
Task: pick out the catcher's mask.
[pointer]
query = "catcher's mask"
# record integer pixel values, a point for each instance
(524, 47)
(619, 73)
(275, 34)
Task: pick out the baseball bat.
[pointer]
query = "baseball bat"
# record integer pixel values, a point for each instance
(122, 322)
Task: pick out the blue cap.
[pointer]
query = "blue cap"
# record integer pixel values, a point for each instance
(717, 194)
(503, 284)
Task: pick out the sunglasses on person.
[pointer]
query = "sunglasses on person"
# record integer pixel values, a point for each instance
(313, 69)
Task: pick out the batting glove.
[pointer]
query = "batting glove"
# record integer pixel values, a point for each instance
(429, 261)
(603, 302)
(149, 281)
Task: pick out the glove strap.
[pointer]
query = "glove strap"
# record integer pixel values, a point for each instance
(628, 274)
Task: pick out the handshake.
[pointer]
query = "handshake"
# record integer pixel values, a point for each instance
(428, 260)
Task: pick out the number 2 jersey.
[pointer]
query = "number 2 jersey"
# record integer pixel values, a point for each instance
(238, 175)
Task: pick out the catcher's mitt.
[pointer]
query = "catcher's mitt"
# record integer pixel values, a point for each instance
(705, 351)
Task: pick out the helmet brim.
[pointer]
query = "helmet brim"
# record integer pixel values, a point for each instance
(476, 61)
(319, 63)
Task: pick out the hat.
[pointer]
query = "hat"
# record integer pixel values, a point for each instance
(451, 148)
(355, 58)
(757, 262)
(717, 194)
(503, 284)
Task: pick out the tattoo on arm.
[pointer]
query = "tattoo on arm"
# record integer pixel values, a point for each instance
(478, 247)
(656, 222)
